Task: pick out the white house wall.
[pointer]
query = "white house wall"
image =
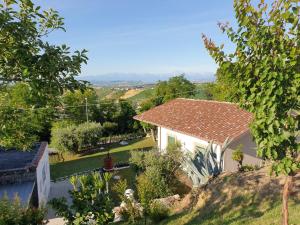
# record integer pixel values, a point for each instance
(188, 143)
(43, 178)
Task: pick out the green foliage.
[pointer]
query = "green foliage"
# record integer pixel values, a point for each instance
(64, 139)
(119, 188)
(158, 173)
(137, 159)
(88, 134)
(121, 113)
(175, 87)
(164, 91)
(247, 168)
(27, 58)
(266, 69)
(76, 138)
(224, 88)
(21, 124)
(75, 102)
(158, 212)
(150, 185)
(90, 201)
(109, 128)
(238, 156)
(13, 213)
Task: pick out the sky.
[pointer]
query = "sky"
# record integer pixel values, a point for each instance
(142, 36)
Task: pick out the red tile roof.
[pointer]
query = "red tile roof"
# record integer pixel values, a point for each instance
(203, 119)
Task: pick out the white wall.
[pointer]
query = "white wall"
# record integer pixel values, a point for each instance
(43, 178)
(188, 143)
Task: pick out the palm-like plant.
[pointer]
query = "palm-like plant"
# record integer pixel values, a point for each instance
(201, 165)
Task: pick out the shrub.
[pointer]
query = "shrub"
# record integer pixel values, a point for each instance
(151, 185)
(238, 156)
(88, 134)
(75, 138)
(247, 168)
(137, 159)
(63, 139)
(109, 128)
(90, 201)
(158, 211)
(13, 213)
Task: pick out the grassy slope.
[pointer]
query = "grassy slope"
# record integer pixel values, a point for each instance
(249, 198)
(145, 94)
(78, 163)
(131, 93)
(102, 92)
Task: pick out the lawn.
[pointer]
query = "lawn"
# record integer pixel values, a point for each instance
(78, 163)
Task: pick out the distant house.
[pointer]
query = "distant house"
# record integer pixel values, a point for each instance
(194, 123)
(26, 174)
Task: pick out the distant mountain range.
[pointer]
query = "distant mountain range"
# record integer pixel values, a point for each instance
(136, 79)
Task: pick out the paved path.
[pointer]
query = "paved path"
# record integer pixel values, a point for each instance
(58, 189)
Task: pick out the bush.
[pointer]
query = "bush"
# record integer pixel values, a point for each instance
(88, 134)
(91, 202)
(238, 156)
(75, 138)
(109, 128)
(13, 213)
(247, 168)
(63, 139)
(137, 160)
(158, 211)
(151, 185)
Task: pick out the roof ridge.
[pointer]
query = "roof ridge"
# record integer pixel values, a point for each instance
(206, 100)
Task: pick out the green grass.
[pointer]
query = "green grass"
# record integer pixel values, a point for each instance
(77, 163)
(246, 198)
(140, 97)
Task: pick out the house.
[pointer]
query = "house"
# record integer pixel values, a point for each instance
(194, 123)
(26, 174)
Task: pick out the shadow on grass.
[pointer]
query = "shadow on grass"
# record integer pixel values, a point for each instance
(234, 200)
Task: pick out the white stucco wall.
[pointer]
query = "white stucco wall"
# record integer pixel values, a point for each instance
(43, 178)
(188, 143)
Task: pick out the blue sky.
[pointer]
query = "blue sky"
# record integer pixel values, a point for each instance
(142, 36)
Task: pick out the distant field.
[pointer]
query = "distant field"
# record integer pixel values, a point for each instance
(131, 93)
(143, 95)
(102, 92)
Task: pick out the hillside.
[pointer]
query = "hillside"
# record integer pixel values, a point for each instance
(131, 93)
(238, 198)
(143, 95)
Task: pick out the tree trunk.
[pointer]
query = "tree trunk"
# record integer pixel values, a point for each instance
(285, 198)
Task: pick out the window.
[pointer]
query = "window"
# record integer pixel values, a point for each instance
(171, 140)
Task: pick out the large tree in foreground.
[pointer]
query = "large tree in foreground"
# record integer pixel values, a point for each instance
(266, 67)
(26, 57)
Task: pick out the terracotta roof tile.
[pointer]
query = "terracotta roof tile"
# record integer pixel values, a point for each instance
(207, 120)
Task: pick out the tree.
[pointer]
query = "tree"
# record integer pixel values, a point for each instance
(175, 87)
(225, 87)
(26, 57)
(32, 124)
(266, 67)
(75, 105)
